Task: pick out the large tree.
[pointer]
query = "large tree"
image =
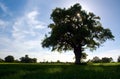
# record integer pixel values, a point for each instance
(75, 29)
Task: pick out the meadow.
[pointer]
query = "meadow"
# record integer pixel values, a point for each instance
(59, 71)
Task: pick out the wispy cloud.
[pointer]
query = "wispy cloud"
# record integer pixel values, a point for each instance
(33, 20)
(3, 23)
(27, 26)
(5, 9)
(26, 34)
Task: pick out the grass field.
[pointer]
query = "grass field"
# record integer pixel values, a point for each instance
(59, 71)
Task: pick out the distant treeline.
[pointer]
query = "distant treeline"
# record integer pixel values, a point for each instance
(103, 60)
(11, 59)
(27, 59)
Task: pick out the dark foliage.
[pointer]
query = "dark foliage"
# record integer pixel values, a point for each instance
(103, 60)
(96, 59)
(9, 58)
(118, 59)
(75, 29)
(106, 60)
(26, 59)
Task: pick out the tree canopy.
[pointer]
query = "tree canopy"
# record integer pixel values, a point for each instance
(27, 59)
(75, 29)
(9, 58)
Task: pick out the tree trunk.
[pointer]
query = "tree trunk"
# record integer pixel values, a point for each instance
(78, 54)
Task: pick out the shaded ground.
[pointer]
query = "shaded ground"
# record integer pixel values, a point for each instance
(39, 71)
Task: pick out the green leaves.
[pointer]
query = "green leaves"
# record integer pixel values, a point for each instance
(75, 27)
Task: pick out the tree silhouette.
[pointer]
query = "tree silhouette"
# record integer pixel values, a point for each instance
(27, 59)
(9, 58)
(96, 59)
(106, 59)
(118, 60)
(75, 29)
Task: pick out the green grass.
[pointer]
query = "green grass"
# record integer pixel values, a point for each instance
(59, 71)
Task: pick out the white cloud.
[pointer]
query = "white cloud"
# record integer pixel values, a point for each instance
(33, 20)
(27, 33)
(3, 23)
(28, 24)
(4, 26)
(32, 15)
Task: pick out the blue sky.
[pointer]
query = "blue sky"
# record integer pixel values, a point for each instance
(23, 24)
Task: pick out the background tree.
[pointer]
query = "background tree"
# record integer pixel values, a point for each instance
(9, 58)
(106, 59)
(27, 59)
(75, 29)
(33, 60)
(96, 59)
(1, 60)
(118, 60)
(58, 61)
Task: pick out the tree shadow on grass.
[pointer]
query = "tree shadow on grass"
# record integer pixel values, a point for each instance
(28, 71)
(74, 72)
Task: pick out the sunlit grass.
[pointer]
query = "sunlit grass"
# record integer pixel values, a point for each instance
(106, 64)
(59, 71)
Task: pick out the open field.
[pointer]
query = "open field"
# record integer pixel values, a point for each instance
(59, 71)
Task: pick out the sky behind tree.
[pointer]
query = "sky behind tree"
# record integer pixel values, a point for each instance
(24, 23)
